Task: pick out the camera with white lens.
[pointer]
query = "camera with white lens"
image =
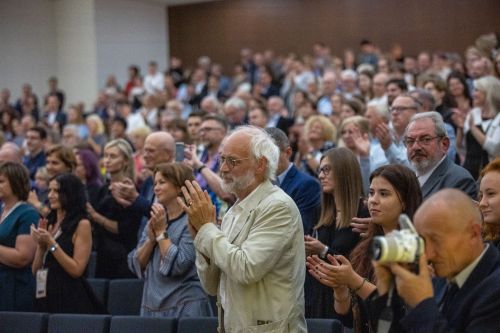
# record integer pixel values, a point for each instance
(403, 246)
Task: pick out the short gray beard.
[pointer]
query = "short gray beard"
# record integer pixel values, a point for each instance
(238, 185)
(424, 166)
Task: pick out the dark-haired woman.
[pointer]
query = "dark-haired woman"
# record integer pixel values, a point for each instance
(394, 190)
(17, 248)
(165, 255)
(87, 170)
(64, 242)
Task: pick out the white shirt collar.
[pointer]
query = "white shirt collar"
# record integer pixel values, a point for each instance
(462, 277)
(281, 177)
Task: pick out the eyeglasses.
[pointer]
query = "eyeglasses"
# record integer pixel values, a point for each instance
(401, 108)
(208, 129)
(425, 141)
(325, 169)
(230, 161)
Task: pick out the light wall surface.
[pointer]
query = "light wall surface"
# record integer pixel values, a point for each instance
(129, 32)
(28, 46)
(79, 41)
(76, 49)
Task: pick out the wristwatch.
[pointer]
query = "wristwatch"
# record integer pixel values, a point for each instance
(163, 235)
(323, 253)
(53, 248)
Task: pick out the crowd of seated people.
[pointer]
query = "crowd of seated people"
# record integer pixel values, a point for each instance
(374, 134)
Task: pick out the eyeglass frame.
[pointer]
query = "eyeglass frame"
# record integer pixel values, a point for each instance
(209, 129)
(326, 169)
(401, 108)
(423, 141)
(230, 161)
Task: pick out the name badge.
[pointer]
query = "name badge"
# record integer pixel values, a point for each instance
(41, 283)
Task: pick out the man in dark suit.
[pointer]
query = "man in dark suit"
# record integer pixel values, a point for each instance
(278, 114)
(302, 188)
(466, 292)
(427, 143)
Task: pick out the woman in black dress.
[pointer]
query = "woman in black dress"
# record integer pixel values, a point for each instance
(340, 178)
(116, 226)
(64, 242)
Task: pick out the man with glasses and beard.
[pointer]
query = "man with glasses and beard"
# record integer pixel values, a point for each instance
(426, 142)
(255, 262)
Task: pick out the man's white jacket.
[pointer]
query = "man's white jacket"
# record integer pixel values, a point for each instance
(256, 263)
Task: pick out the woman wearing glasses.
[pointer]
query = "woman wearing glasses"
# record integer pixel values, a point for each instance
(165, 255)
(342, 193)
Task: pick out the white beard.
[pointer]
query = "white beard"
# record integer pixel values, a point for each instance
(238, 185)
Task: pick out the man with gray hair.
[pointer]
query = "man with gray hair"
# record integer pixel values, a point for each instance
(427, 143)
(235, 111)
(10, 152)
(429, 104)
(254, 262)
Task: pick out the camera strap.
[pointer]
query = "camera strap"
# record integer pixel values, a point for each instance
(387, 314)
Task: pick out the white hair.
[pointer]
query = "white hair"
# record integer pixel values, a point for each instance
(262, 145)
(236, 102)
(348, 73)
(381, 109)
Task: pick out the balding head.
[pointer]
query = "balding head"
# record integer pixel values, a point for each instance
(450, 223)
(158, 148)
(10, 152)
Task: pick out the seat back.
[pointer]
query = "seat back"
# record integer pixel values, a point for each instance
(100, 288)
(22, 322)
(324, 326)
(78, 323)
(91, 266)
(134, 324)
(125, 297)
(198, 325)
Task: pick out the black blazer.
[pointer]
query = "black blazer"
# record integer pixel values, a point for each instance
(475, 307)
(306, 192)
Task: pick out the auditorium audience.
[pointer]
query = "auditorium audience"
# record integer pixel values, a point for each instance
(308, 98)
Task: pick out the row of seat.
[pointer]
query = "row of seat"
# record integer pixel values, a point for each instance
(122, 297)
(32, 322)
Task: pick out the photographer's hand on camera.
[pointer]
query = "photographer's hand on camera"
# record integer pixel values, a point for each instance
(413, 288)
(384, 277)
